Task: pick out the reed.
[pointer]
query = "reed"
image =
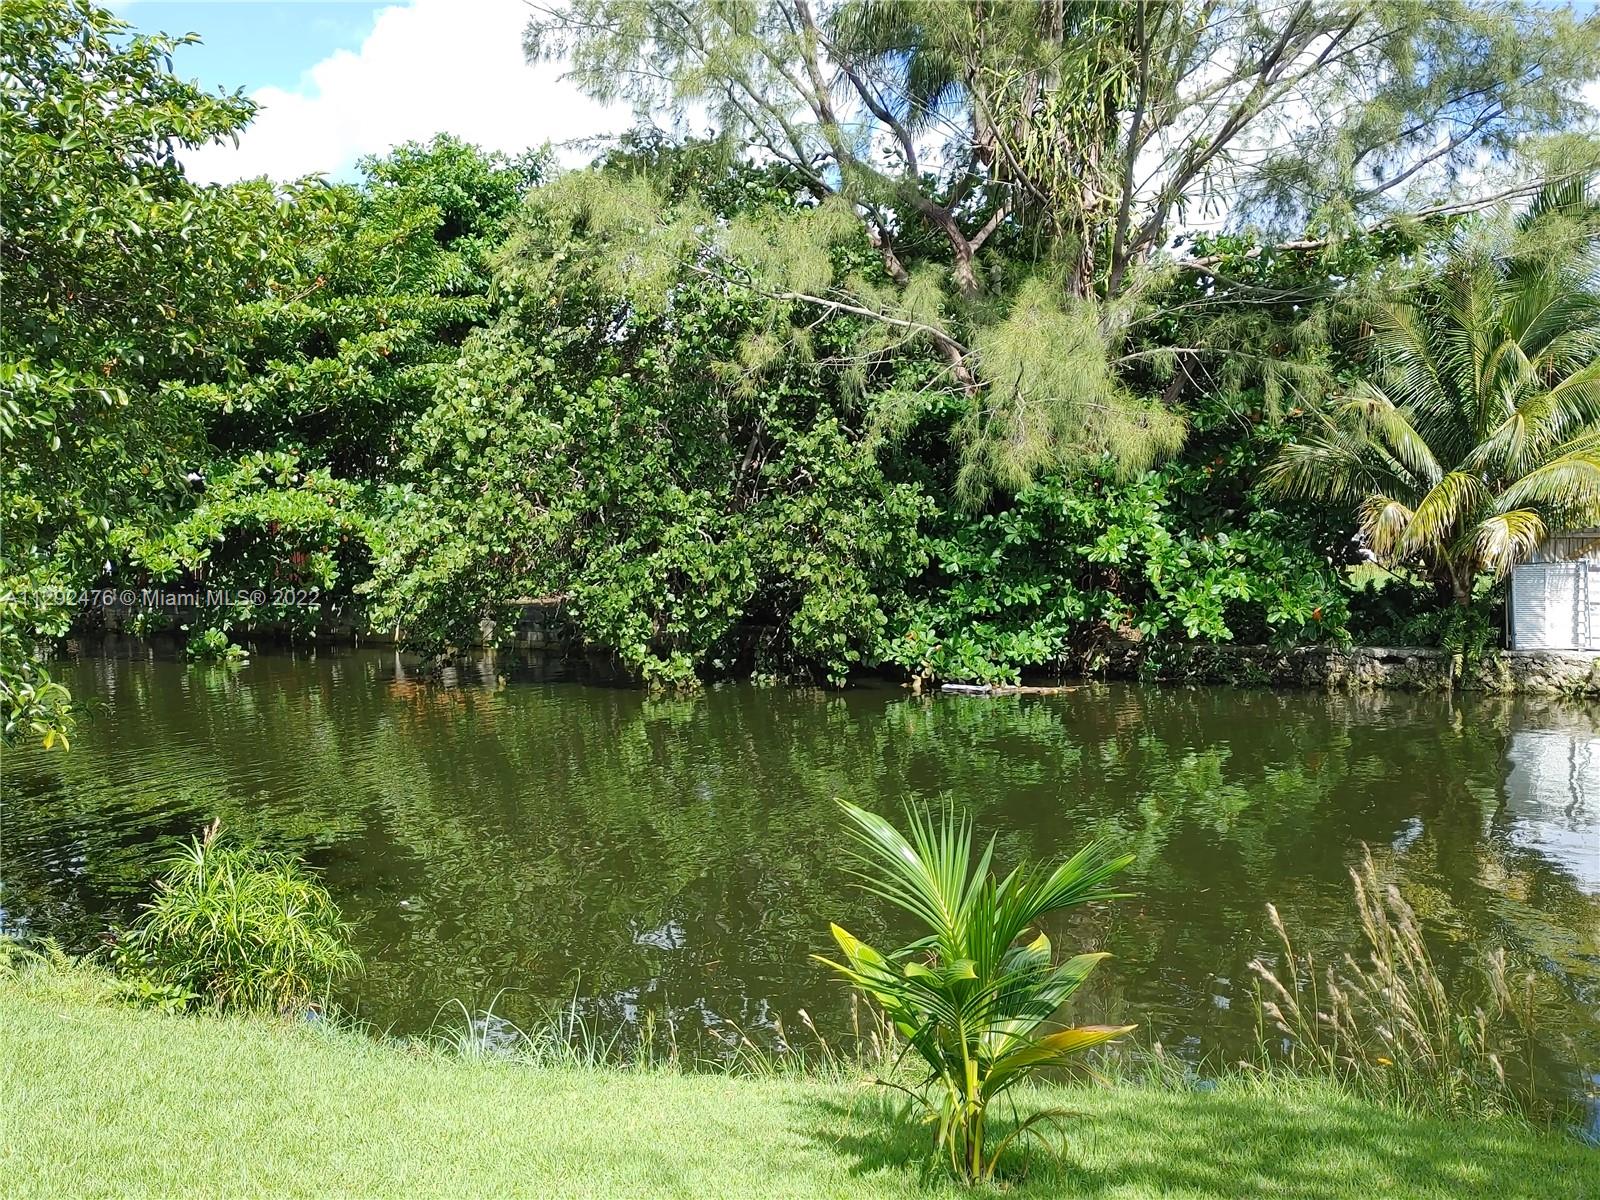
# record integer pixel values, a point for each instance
(1386, 1024)
(564, 1037)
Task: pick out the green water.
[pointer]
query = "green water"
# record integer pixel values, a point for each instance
(545, 841)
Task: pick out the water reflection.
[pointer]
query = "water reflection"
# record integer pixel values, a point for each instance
(545, 841)
(1552, 793)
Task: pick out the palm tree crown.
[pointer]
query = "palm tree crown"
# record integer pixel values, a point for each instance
(1479, 432)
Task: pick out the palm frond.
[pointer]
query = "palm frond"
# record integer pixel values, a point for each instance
(1376, 412)
(1051, 1049)
(1481, 428)
(928, 879)
(1401, 340)
(1578, 394)
(1384, 521)
(1443, 511)
(1334, 465)
(1506, 539)
(1569, 484)
(975, 995)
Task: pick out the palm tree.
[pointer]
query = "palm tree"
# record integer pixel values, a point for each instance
(978, 995)
(1479, 432)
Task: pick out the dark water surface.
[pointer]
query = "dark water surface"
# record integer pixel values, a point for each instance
(682, 856)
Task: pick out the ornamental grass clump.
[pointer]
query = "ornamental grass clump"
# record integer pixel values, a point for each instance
(977, 996)
(1388, 1026)
(234, 928)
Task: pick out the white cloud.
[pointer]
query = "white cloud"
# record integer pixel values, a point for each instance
(432, 66)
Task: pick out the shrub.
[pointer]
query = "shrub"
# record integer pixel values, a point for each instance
(1389, 1026)
(1076, 558)
(212, 645)
(976, 996)
(236, 928)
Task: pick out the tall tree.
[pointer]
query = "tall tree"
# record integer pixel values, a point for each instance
(116, 270)
(1019, 165)
(372, 289)
(615, 445)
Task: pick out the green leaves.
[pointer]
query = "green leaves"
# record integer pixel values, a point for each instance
(371, 289)
(586, 448)
(1054, 1048)
(1480, 434)
(1013, 177)
(281, 546)
(236, 929)
(33, 707)
(976, 996)
(117, 271)
(1074, 559)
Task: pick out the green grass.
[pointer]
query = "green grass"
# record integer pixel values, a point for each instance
(101, 1099)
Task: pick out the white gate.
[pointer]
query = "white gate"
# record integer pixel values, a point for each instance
(1549, 602)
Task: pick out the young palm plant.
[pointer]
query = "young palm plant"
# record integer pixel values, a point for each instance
(978, 995)
(1479, 433)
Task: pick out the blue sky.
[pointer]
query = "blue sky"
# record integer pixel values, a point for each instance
(252, 45)
(338, 79)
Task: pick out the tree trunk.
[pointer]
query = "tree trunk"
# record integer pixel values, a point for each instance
(1461, 592)
(965, 271)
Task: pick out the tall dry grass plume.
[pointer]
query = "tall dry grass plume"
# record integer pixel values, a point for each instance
(1388, 1026)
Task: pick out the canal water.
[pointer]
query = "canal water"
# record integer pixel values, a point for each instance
(530, 843)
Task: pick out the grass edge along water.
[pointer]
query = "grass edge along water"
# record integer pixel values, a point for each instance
(251, 1104)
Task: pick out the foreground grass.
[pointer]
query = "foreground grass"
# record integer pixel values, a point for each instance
(100, 1099)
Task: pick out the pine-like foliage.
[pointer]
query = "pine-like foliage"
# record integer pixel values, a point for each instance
(1016, 170)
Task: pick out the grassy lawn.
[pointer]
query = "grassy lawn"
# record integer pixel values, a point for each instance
(100, 1099)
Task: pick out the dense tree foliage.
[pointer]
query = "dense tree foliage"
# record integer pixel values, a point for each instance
(375, 286)
(372, 289)
(913, 361)
(1019, 166)
(1078, 564)
(117, 272)
(1477, 433)
(613, 454)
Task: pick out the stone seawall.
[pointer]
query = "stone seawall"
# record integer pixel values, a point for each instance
(1410, 668)
(540, 629)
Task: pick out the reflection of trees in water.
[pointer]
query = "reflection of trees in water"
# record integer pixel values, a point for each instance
(685, 851)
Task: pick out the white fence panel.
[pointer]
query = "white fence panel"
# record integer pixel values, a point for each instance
(1548, 605)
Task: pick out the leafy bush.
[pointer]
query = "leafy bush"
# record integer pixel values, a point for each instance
(1401, 609)
(282, 543)
(212, 645)
(1015, 588)
(973, 997)
(120, 273)
(1389, 1025)
(373, 285)
(671, 509)
(33, 706)
(237, 929)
